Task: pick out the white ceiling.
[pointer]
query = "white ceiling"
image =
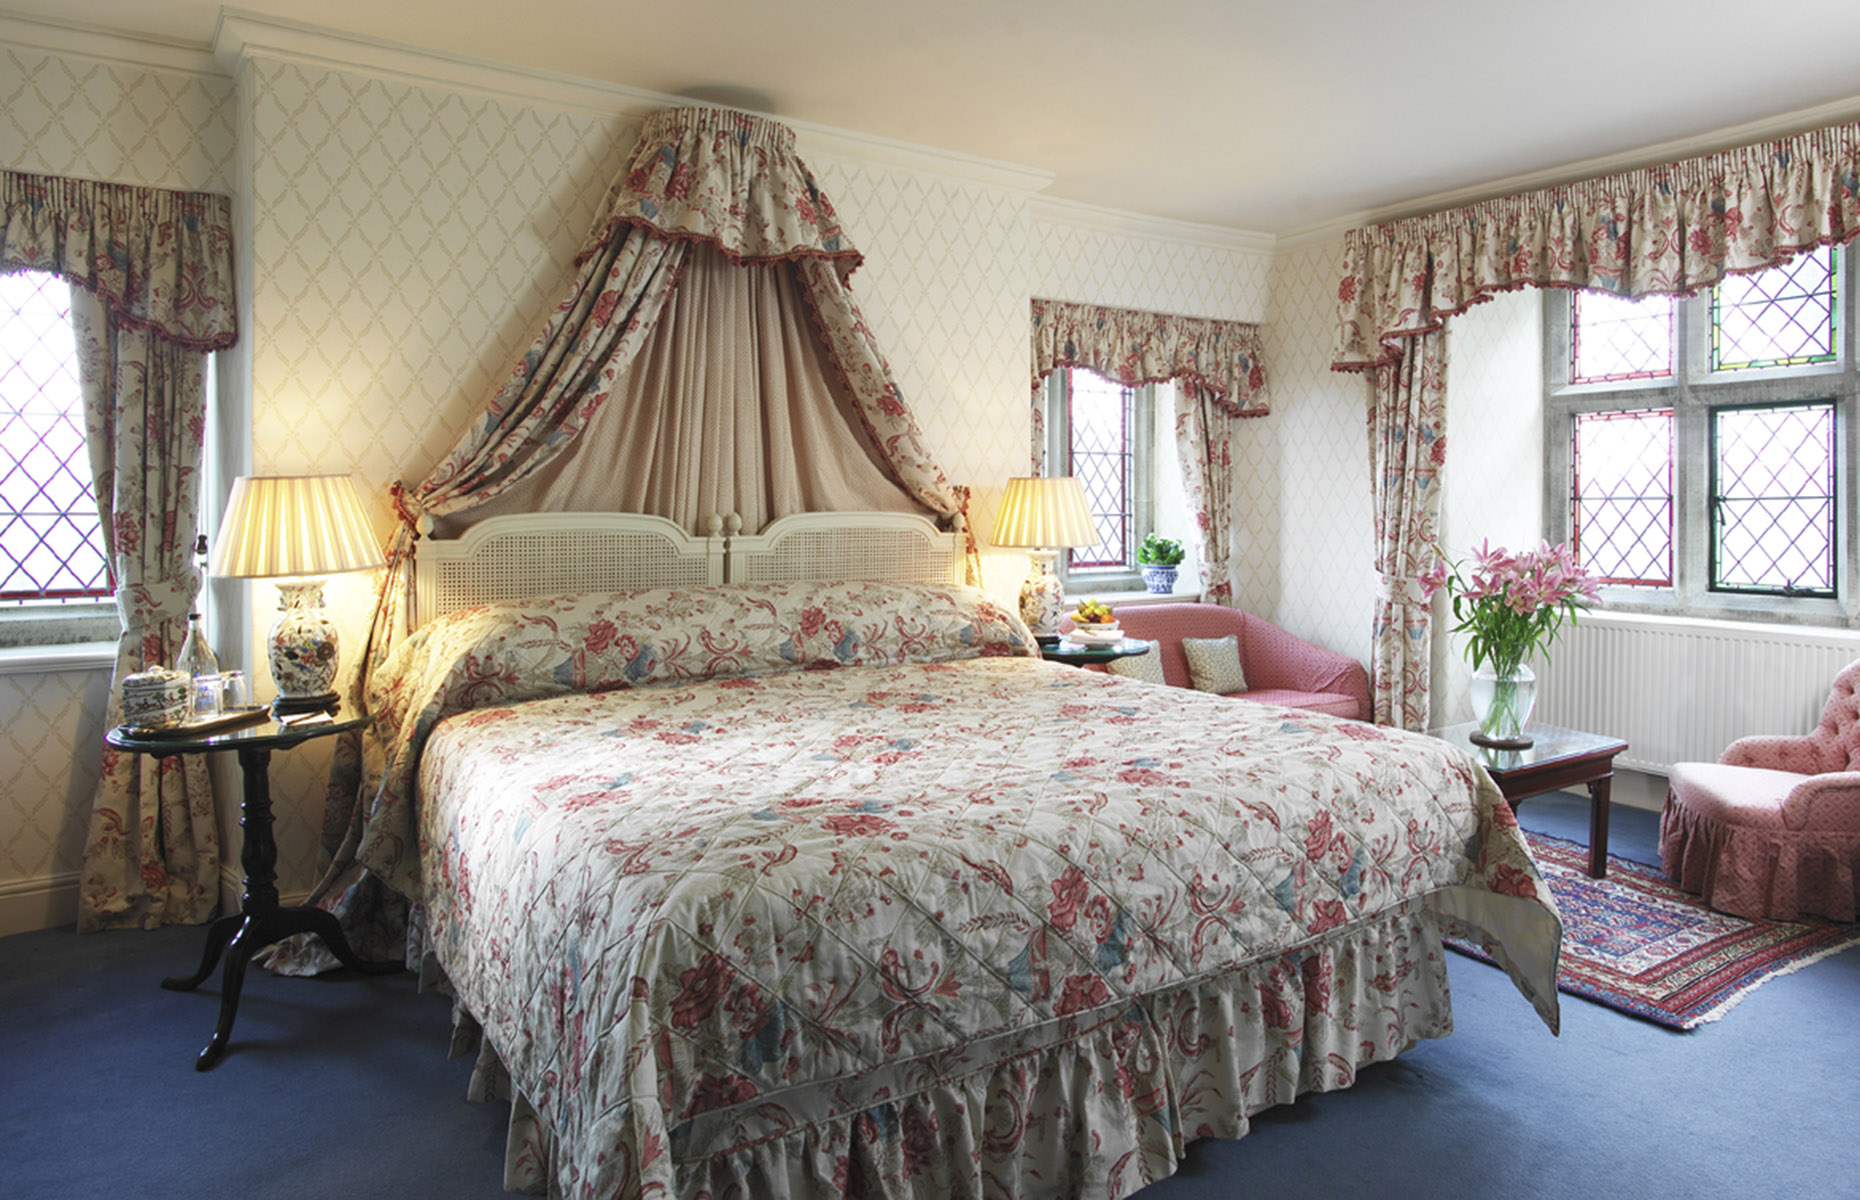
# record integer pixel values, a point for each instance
(1259, 115)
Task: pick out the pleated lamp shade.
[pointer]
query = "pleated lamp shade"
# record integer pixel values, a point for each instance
(1038, 512)
(283, 526)
(295, 529)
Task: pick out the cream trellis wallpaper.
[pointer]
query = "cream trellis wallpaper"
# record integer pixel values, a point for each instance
(67, 114)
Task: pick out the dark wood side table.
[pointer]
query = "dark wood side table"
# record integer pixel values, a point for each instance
(261, 920)
(1058, 650)
(1556, 759)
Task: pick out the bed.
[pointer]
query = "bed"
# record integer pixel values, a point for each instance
(804, 875)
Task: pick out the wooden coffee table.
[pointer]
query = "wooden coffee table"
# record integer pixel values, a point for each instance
(1555, 760)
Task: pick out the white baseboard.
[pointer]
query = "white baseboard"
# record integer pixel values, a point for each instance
(1638, 789)
(45, 902)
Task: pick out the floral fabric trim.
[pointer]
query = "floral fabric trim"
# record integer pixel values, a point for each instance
(716, 925)
(729, 178)
(1196, 1062)
(1143, 347)
(162, 259)
(1670, 229)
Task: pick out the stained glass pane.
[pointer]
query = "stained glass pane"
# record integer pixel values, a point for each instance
(1612, 339)
(1773, 499)
(1621, 508)
(1099, 417)
(1782, 317)
(50, 544)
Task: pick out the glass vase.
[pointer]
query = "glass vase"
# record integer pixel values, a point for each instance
(1502, 706)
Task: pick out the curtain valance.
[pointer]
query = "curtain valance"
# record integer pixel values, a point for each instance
(728, 178)
(1674, 228)
(1142, 347)
(163, 260)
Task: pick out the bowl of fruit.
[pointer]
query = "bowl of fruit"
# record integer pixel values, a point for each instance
(1094, 623)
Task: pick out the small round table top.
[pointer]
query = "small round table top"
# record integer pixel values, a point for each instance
(260, 729)
(1059, 650)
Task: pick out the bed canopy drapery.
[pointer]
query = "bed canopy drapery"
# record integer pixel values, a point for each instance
(1216, 364)
(708, 358)
(1672, 229)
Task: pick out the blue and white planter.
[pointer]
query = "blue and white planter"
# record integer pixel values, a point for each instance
(1160, 580)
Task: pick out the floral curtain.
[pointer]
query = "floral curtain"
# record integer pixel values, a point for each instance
(724, 178)
(151, 280)
(1218, 366)
(1204, 443)
(1407, 447)
(1669, 229)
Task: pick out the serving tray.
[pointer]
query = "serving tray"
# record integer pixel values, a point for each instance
(231, 719)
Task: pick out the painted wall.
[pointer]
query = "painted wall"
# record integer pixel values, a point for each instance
(91, 117)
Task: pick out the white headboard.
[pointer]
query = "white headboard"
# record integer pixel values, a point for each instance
(868, 545)
(544, 554)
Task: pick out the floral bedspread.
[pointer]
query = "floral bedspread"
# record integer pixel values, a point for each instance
(695, 916)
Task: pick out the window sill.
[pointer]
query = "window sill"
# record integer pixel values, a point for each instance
(1139, 599)
(44, 660)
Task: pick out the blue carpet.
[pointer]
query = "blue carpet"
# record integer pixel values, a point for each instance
(339, 1087)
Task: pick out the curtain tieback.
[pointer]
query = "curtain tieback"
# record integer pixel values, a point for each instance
(140, 605)
(411, 512)
(1402, 589)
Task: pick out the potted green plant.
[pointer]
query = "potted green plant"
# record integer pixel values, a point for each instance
(1159, 557)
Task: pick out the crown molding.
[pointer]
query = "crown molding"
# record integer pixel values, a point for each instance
(1055, 211)
(106, 45)
(244, 35)
(1729, 137)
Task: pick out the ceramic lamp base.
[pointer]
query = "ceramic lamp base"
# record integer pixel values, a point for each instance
(302, 650)
(1043, 595)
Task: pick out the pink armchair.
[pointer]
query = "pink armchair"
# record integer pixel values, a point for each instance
(1772, 829)
(1280, 668)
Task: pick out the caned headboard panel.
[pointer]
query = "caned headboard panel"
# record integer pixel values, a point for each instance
(870, 545)
(545, 554)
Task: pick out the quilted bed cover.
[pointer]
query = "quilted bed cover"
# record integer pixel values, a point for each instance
(840, 889)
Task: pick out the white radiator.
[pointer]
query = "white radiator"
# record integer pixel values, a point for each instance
(1679, 690)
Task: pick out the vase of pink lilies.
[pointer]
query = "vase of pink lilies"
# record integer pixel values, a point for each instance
(1510, 606)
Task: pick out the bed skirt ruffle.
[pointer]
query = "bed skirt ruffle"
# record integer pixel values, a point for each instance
(1760, 871)
(1101, 1114)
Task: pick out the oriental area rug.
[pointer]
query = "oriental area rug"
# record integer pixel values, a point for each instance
(1636, 943)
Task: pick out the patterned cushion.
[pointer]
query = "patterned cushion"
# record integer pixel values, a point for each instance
(1146, 667)
(1214, 664)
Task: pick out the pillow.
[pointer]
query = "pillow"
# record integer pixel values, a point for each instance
(1214, 664)
(1144, 667)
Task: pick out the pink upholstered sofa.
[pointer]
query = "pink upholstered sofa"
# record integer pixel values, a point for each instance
(1279, 668)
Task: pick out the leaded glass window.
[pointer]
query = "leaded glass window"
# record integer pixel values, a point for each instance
(1621, 505)
(1613, 340)
(1782, 317)
(51, 545)
(1101, 417)
(1773, 499)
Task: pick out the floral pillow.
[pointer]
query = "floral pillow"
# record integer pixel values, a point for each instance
(1144, 667)
(1214, 664)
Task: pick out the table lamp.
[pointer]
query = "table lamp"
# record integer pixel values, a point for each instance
(289, 528)
(1044, 516)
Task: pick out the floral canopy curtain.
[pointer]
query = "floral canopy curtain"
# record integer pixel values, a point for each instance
(1671, 229)
(1218, 365)
(731, 182)
(151, 277)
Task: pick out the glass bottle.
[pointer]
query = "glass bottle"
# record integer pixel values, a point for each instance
(197, 661)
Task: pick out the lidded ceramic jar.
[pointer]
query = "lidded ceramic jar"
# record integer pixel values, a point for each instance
(155, 698)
